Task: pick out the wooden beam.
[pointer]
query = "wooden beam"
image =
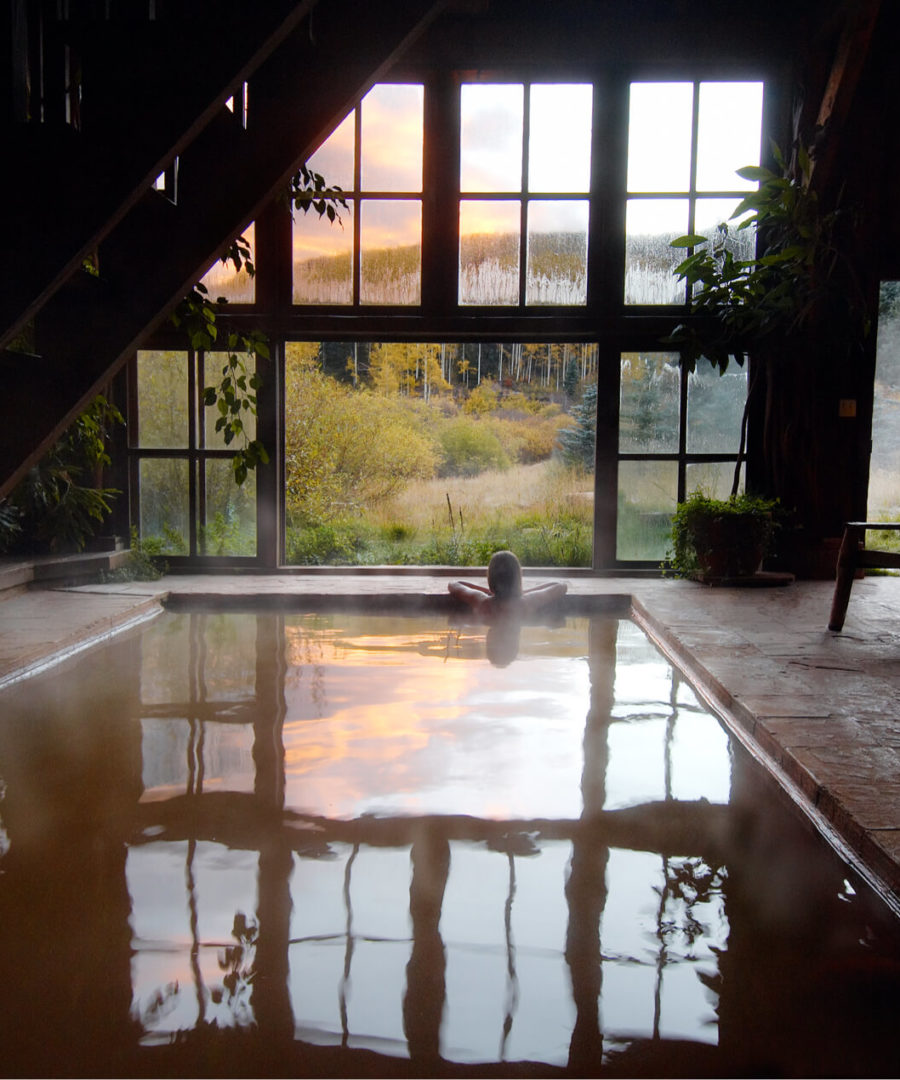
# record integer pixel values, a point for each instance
(157, 250)
(846, 70)
(150, 90)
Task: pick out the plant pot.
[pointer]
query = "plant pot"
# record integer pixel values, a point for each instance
(731, 546)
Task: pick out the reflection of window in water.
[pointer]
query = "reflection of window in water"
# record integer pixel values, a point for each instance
(480, 923)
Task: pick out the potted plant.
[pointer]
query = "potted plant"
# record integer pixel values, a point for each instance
(797, 309)
(721, 540)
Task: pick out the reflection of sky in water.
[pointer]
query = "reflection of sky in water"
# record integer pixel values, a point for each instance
(200, 905)
(399, 716)
(390, 731)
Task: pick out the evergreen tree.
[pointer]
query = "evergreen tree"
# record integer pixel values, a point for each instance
(577, 443)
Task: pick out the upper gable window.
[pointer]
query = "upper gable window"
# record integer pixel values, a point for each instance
(374, 255)
(525, 172)
(685, 142)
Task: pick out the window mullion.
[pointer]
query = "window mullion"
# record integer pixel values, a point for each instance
(196, 493)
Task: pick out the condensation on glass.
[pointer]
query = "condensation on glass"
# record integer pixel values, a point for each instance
(163, 413)
(165, 503)
(390, 251)
(229, 525)
(372, 254)
(653, 424)
(172, 418)
(323, 258)
(884, 465)
(489, 245)
(715, 406)
(649, 403)
(214, 365)
(235, 286)
(496, 158)
(670, 166)
(647, 496)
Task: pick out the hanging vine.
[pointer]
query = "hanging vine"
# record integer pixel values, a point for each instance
(235, 393)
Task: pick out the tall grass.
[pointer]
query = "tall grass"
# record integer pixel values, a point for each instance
(542, 511)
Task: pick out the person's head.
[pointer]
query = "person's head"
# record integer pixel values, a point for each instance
(504, 575)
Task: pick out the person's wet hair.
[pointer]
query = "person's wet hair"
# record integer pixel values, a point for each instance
(504, 575)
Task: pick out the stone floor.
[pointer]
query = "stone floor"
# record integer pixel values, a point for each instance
(821, 709)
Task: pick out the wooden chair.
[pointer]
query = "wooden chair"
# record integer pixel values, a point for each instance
(853, 556)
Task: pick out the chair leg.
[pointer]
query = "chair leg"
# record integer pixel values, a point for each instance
(846, 571)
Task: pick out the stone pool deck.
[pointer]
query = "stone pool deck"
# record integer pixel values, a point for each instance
(821, 709)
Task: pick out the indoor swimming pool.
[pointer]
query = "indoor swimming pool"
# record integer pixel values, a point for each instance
(344, 844)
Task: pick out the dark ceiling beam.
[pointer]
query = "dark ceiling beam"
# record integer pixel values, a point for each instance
(847, 68)
(147, 91)
(87, 330)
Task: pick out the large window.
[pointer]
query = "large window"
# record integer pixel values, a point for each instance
(188, 502)
(471, 354)
(374, 256)
(438, 453)
(525, 174)
(677, 432)
(685, 142)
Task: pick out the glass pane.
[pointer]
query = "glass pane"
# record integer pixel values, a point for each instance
(165, 503)
(379, 436)
(729, 128)
(162, 379)
(715, 405)
(710, 213)
(884, 466)
(659, 136)
(649, 403)
(322, 257)
(712, 477)
(213, 363)
(222, 280)
(557, 252)
(230, 525)
(391, 252)
(334, 158)
(392, 118)
(559, 137)
(650, 226)
(648, 493)
(491, 137)
(489, 236)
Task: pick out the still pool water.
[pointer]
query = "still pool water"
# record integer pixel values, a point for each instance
(344, 845)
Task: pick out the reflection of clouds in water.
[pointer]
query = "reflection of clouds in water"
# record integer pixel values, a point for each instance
(432, 736)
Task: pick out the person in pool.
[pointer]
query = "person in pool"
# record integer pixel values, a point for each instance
(503, 593)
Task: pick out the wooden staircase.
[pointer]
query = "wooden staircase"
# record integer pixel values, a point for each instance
(148, 93)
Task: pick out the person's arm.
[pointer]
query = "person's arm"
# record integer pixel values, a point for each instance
(539, 596)
(476, 596)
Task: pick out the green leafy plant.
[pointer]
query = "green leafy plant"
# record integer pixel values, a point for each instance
(801, 279)
(61, 503)
(143, 562)
(235, 394)
(310, 191)
(720, 538)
